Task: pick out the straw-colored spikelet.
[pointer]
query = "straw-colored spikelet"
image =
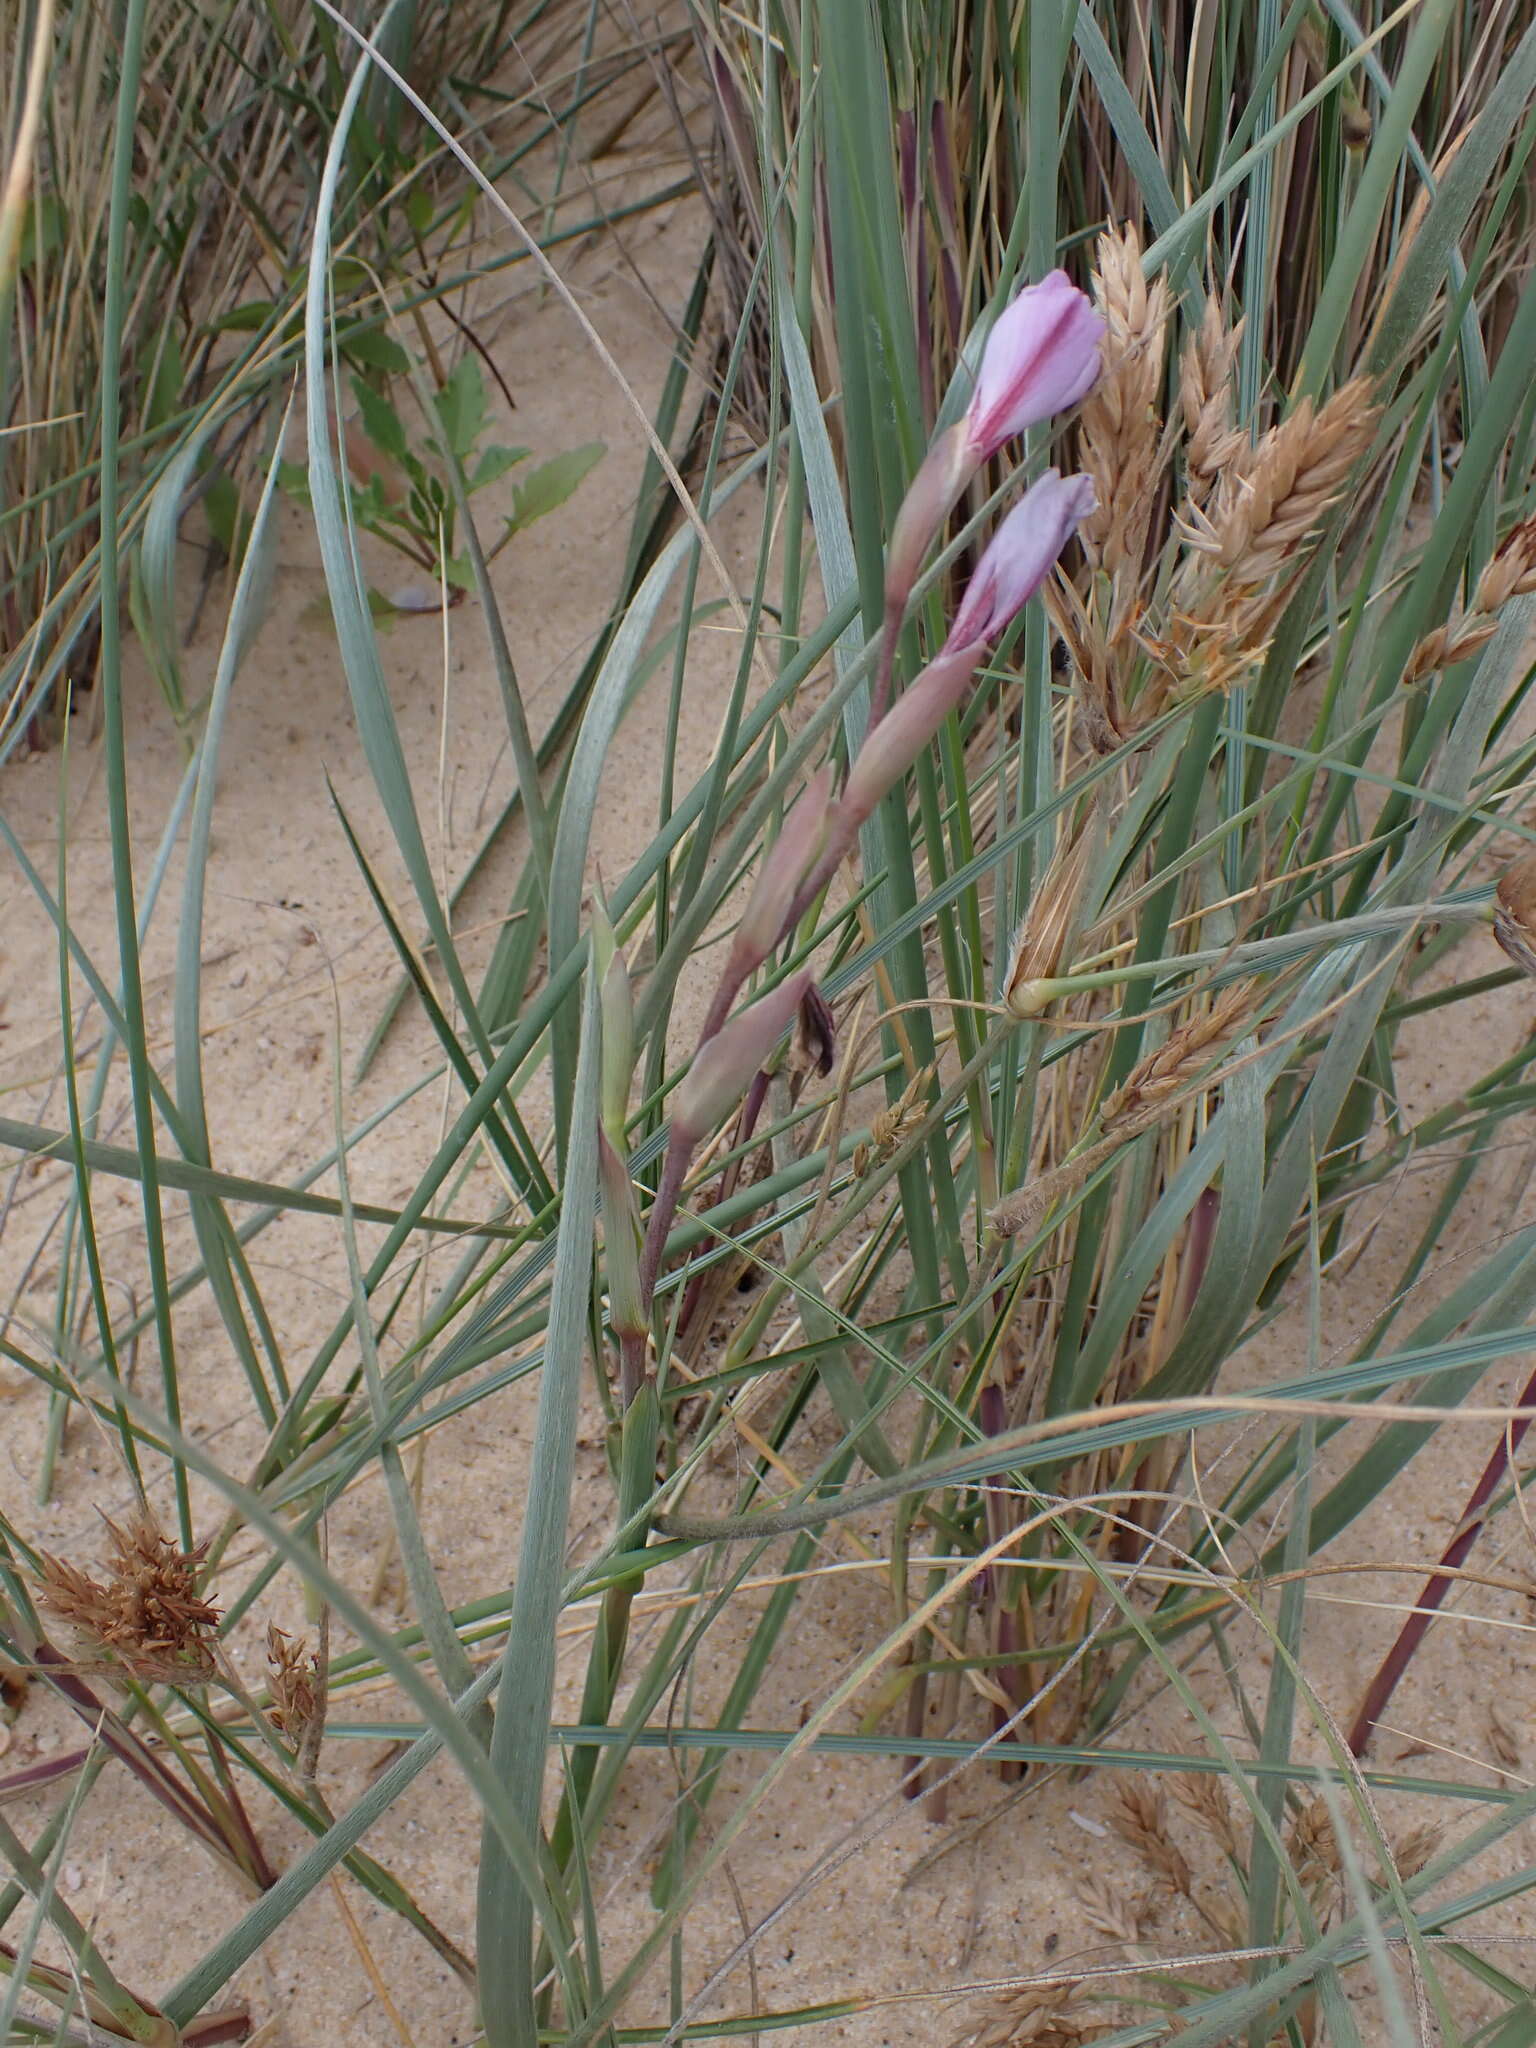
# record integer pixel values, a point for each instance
(1511, 573)
(1033, 2016)
(1203, 1795)
(1182, 1056)
(1153, 1089)
(1139, 1816)
(1117, 1913)
(1248, 539)
(1042, 938)
(1205, 399)
(1120, 425)
(146, 1613)
(1271, 496)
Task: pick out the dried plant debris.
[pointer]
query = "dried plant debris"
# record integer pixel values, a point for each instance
(1033, 2016)
(145, 1615)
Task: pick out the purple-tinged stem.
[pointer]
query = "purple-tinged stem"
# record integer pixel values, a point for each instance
(746, 1124)
(114, 1734)
(1414, 1629)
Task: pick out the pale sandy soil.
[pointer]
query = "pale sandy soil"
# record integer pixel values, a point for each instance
(293, 950)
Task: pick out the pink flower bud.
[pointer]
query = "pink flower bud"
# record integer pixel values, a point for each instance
(902, 734)
(784, 868)
(725, 1064)
(1019, 558)
(1042, 356)
(1014, 566)
(946, 469)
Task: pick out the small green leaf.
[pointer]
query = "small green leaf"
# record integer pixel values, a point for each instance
(418, 210)
(247, 319)
(461, 406)
(372, 349)
(494, 462)
(380, 421)
(546, 488)
(293, 477)
(162, 358)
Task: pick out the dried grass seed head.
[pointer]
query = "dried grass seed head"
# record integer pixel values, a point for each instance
(146, 1613)
(1120, 423)
(1206, 370)
(1183, 1055)
(1139, 1816)
(1272, 495)
(1033, 2016)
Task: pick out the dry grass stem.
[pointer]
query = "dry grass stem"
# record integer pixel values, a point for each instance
(146, 1613)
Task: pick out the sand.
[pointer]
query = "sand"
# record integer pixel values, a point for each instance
(887, 1905)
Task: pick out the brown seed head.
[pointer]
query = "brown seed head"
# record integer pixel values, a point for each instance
(1514, 917)
(1314, 1845)
(1512, 571)
(146, 1613)
(293, 1679)
(1410, 1852)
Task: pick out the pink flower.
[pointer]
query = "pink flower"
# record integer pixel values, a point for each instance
(1041, 357)
(1019, 558)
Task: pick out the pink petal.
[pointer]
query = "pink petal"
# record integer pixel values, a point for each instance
(1041, 357)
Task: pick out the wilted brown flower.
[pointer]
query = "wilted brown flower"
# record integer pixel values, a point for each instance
(147, 1613)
